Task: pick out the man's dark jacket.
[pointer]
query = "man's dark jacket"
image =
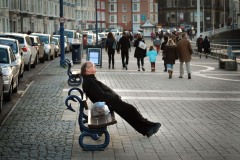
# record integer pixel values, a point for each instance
(97, 91)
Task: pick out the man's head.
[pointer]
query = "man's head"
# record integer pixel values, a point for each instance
(88, 68)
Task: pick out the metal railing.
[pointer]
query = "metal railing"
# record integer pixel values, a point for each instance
(218, 51)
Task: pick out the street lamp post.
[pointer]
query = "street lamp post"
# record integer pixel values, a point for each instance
(62, 20)
(96, 22)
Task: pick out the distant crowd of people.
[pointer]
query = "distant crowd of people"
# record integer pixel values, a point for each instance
(174, 46)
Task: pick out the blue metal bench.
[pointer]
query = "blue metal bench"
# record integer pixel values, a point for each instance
(90, 126)
(74, 77)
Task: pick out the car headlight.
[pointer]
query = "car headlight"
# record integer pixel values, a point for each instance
(6, 74)
(6, 71)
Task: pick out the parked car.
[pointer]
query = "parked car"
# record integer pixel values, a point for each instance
(10, 69)
(103, 39)
(15, 46)
(48, 45)
(1, 89)
(66, 43)
(37, 43)
(29, 52)
(57, 46)
(90, 39)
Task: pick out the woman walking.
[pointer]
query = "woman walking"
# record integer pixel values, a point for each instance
(110, 42)
(140, 53)
(170, 53)
(152, 54)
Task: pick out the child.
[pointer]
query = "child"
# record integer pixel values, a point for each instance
(152, 54)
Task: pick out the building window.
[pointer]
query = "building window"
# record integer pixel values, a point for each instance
(112, 19)
(193, 3)
(124, 8)
(112, 8)
(124, 19)
(103, 5)
(135, 7)
(103, 16)
(136, 18)
(5, 3)
(5, 24)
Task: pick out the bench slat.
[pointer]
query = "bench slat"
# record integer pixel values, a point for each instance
(101, 121)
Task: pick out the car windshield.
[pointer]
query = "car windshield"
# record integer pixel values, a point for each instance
(44, 39)
(58, 36)
(11, 44)
(90, 37)
(4, 56)
(101, 35)
(68, 34)
(55, 41)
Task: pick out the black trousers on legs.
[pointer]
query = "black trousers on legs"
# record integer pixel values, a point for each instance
(130, 114)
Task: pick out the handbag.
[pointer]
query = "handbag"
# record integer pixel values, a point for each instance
(142, 45)
(99, 109)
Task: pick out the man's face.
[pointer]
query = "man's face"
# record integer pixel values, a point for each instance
(91, 68)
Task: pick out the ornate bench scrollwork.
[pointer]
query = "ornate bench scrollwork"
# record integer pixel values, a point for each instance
(87, 128)
(74, 77)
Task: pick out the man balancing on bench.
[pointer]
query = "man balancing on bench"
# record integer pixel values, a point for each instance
(96, 91)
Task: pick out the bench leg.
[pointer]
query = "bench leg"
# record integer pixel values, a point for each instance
(94, 136)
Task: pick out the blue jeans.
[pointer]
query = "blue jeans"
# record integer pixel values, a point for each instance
(170, 67)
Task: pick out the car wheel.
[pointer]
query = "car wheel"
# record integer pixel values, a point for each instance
(52, 56)
(21, 73)
(34, 63)
(46, 57)
(1, 101)
(7, 97)
(16, 87)
(28, 66)
(42, 60)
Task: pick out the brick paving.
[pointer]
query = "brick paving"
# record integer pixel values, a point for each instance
(200, 117)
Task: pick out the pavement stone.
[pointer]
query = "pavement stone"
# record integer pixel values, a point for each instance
(200, 117)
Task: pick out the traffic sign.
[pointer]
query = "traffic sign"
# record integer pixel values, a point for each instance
(62, 19)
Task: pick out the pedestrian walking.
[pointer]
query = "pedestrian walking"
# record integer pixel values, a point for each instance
(185, 51)
(206, 46)
(110, 43)
(152, 36)
(200, 45)
(157, 44)
(124, 46)
(152, 54)
(96, 91)
(170, 53)
(140, 53)
(162, 48)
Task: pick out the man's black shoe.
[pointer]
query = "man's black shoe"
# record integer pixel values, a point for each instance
(189, 76)
(154, 129)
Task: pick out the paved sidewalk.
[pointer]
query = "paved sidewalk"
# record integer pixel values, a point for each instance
(200, 117)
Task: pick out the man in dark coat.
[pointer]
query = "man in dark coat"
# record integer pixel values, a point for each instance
(206, 46)
(124, 45)
(96, 91)
(162, 48)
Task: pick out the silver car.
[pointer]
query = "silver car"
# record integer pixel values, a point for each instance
(29, 52)
(66, 43)
(37, 43)
(48, 45)
(1, 89)
(10, 69)
(57, 46)
(15, 46)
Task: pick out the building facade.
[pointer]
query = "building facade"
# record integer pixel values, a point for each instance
(130, 14)
(213, 13)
